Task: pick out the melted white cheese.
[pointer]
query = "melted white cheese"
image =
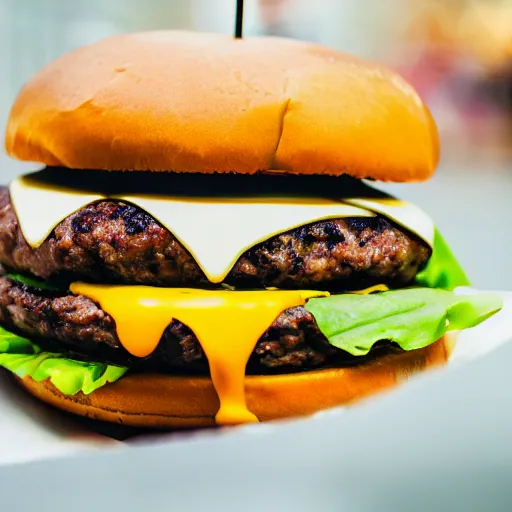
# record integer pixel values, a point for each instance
(216, 231)
(405, 214)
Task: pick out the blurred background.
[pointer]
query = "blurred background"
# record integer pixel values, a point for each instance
(457, 53)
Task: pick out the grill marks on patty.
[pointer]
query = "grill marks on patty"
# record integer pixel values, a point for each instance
(110, 241)
(77, 326)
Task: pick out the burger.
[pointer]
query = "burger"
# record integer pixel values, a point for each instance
(204, 243)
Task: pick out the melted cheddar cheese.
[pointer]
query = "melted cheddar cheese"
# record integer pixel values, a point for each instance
(228, 325)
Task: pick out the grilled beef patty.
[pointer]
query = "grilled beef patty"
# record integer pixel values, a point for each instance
(113, 242)
(77, 327)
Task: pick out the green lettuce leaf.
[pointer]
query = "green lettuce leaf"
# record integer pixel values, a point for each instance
(442, 270)
(23, 358)
(37, 283)
(413, 318)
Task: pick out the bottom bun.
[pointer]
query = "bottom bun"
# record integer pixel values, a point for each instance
(163, 401)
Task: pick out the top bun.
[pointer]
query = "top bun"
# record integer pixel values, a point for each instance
(194, 102)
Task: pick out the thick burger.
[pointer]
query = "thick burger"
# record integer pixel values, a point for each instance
(201, 245)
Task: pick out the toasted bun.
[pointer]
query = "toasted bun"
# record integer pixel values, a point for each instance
(160, 401)
(192, 102)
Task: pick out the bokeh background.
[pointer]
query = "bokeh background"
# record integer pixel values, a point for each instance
(457, 53)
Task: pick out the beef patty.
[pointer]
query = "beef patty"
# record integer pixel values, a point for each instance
(75, 326)
(110, 241)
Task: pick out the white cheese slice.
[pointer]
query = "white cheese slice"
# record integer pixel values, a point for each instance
(40, 206)
(216, 231)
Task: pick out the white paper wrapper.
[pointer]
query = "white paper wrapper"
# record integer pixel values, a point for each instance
(32, 431)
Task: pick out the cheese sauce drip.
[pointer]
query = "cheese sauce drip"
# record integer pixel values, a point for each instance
(227, 324)
(372, 289)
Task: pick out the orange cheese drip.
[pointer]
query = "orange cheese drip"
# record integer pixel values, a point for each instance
(227, 323)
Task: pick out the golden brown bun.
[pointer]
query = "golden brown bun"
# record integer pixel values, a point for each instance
(193, 102)
(161, 401)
